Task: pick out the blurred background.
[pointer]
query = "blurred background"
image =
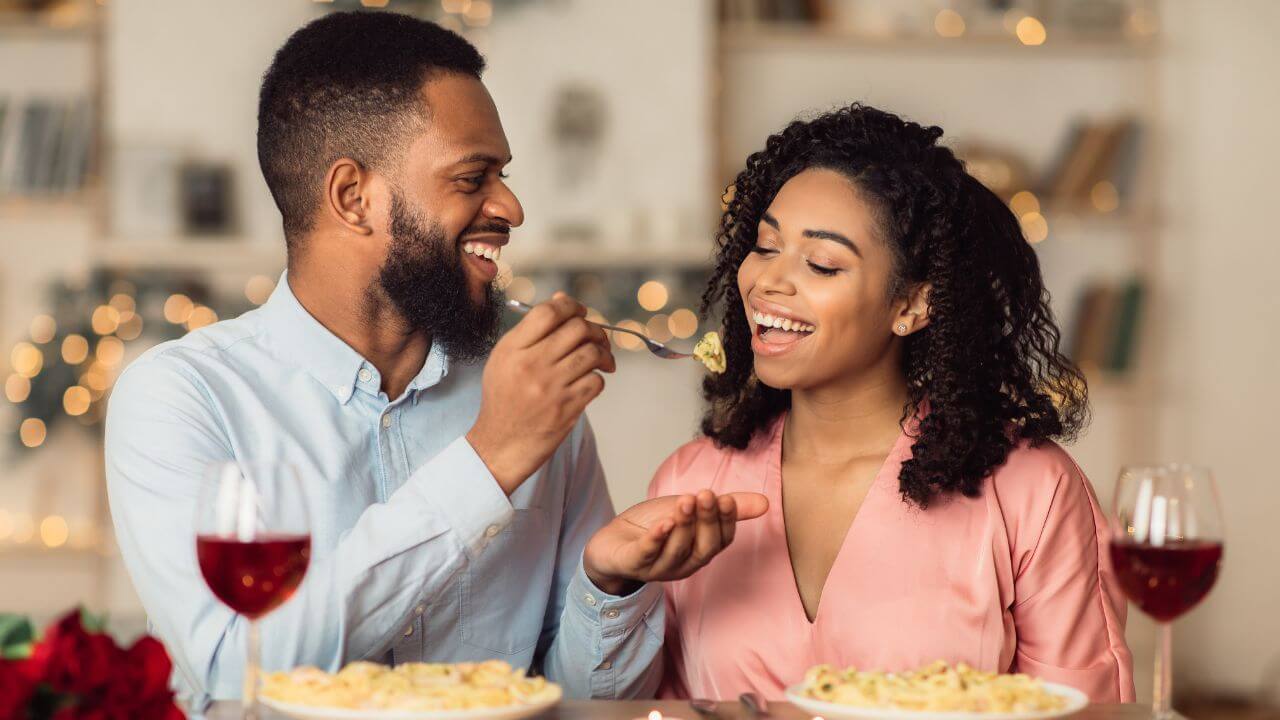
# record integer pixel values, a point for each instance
(1134, 139)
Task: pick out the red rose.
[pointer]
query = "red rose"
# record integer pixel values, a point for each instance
(16, 688)
(79, 662)
(142, 678)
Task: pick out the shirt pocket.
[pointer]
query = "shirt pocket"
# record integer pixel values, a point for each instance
(506, 588)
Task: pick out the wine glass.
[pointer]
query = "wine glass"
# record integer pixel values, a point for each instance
(1166, 548)
(253, 541)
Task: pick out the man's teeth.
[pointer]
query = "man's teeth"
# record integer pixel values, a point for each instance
(769, 321)
(487, 252)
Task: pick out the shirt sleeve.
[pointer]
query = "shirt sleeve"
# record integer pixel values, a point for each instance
(164, 430)
(598, 645)
(1068, 610)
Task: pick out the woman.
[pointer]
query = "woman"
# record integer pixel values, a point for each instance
(894, 386)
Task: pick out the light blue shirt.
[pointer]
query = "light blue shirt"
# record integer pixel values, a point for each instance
(417, 553)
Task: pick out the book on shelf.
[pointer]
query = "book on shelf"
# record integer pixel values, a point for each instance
(45, 146)
(1106, 325)
(1093, 151)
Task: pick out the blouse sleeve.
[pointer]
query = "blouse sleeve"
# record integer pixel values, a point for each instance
(1068, 610)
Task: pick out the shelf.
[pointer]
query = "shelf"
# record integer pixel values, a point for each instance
(777, 36)
(692, 256)
(23, 206)
(36, 30)
(229, 254)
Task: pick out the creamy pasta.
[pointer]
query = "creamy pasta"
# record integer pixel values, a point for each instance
(938, 687)
(410, 686)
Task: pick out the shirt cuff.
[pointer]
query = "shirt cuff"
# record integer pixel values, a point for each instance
(466, 494)
(614, 614)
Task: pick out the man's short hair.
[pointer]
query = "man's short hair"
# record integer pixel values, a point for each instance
(347, 85)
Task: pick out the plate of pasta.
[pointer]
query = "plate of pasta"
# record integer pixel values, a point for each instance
(490, 690)
(937, 692)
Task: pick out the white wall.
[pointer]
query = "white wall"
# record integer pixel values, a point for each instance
(1222, 101)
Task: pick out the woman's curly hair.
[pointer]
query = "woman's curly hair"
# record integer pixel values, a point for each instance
(988, 363)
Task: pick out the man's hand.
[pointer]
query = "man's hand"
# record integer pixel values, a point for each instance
(666, 538)
(538, 380)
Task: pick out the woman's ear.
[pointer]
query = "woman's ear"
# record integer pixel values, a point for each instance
(346, 196)
(913, 311)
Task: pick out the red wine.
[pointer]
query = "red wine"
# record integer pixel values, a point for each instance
(1166, 581)
(253, 578)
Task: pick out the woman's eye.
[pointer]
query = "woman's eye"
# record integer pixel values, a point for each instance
(821, 270)
(762, 250)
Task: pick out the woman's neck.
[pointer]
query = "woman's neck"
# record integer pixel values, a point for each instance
(837, 424)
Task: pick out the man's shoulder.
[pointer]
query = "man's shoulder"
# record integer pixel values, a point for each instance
(184, 360)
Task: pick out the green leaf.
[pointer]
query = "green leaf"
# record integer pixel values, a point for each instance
(16, 636)
(92, 623)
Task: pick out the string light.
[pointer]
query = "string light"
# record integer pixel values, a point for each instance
(75, 349)
(200, 317)
(177, 308)
(27, 360)
(652, 296)
(54, 531)
(455, 7)
(659, 327)
(43, 328)
(1024, 202)
(479, 13)
(1031, 31)
(1105, 197)
(683, 323)
(17, 388)
(1035, 227)
(130, 326)
(110, 351)
(32, 432)
(105, 320)
(625, 341)
(76, 400)
(949, 23)
(123, 303)
(522, 289)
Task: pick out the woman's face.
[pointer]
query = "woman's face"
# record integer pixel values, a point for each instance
(820, 270)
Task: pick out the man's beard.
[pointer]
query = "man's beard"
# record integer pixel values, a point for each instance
(423, 276)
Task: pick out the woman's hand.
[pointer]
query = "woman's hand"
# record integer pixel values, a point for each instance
(666, 538)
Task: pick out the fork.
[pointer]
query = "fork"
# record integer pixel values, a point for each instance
(654, 346)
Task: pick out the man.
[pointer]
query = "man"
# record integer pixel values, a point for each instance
(453, 503)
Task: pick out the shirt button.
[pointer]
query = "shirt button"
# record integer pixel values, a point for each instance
(365, 375)
(492, 531)
(590, 599)
(612, 614)
(408, 631)
(606, 665)
(386, 421)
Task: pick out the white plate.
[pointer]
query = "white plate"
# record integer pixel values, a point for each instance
(1076, 701)
(309, 712)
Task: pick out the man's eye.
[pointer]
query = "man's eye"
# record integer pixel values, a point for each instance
(503, 175)
(475, 181)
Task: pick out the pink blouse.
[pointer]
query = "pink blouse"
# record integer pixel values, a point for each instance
(1011, 581)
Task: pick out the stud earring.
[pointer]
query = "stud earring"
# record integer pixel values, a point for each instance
(901, 328)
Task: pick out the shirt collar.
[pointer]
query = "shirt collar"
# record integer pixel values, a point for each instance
(299, 338)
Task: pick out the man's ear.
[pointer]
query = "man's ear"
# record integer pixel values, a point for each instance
(346, 195)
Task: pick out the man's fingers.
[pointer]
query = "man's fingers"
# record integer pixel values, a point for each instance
(573, 334)
(544, 319)
(585, 359)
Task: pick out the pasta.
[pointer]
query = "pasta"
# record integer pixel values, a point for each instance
(411, 686)
(711, 352)
(938, 687)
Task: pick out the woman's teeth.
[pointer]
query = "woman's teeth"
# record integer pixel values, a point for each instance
(769, 321)
(487, 252)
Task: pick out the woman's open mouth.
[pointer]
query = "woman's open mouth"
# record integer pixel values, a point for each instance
(775, 335)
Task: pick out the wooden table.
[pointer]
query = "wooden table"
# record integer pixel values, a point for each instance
(629, 709)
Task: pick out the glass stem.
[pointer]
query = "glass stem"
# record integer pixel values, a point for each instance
(249, 700)
(1162, 703)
